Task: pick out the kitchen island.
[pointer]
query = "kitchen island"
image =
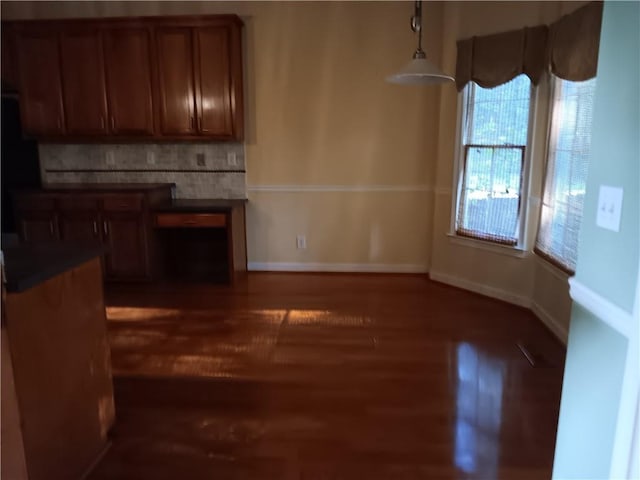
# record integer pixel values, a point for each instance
(56, 376)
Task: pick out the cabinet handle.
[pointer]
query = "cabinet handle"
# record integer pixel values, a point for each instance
(51, 227)
(95, 228)
(113, 124)
(105, 228)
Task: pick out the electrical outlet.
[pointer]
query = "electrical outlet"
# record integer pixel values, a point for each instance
(609, 208)
(200, 159)
(301, 242)
(110, 158)
(232, 159)
(151, 158)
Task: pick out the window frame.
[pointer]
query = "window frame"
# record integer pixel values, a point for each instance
(551, 141)
(462, 124)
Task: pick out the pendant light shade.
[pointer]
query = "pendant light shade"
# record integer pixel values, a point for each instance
(419, 71)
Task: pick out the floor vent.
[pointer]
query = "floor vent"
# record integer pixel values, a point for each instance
(533, 355)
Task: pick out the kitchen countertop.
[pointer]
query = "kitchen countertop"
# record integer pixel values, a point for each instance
(199, 205)
(29, 265)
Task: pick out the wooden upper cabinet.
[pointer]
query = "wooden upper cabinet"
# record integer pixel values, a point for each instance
(175, 80)
(213, 81)
(40, 82)
(85, 96)
(171, 78)
(129, 94)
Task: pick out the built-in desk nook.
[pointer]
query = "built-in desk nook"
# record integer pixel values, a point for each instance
(202, 239)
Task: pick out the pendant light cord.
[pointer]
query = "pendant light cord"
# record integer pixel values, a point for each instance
(416, 26)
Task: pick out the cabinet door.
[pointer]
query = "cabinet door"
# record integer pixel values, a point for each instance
(213, 81)
(175, 81)
(38, 227)
(85, 100)
(81, 227)
(40, 83)
(124, 234)
(9, 65)
(128, 65)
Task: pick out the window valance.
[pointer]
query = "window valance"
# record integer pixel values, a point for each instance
(574, 41)
(568, 48)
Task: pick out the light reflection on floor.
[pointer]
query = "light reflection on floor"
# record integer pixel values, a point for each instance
(478, 411)
(204, 343)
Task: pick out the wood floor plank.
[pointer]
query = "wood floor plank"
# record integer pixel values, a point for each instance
(316, 376)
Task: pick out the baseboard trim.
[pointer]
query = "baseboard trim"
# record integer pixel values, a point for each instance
(482, 289)
(337, 267)
(611, 314)
(559, 330)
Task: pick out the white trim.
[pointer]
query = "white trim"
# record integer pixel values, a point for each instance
(481, 288)
(558, 329)
(336, 267)
(338, 188)
(611, 314)
(624, 458)
(458, 164)
(509, 251)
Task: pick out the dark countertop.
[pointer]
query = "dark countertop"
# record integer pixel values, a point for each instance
(99, 187)
(29, 265)
(199, 205)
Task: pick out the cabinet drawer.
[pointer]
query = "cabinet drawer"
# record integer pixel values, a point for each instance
(35, 202)
(193, 220)
(78, 202)
(122, 203)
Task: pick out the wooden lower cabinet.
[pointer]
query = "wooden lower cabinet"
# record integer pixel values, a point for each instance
(38, 226)
(128, 256)
(120, 219)
(57, 342)
(80, 227)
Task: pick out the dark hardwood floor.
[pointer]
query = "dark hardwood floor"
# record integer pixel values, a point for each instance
(326, 377)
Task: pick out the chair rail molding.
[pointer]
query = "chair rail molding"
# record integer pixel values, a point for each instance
(611, 314)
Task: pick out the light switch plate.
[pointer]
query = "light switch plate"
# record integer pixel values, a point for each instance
(609, 208)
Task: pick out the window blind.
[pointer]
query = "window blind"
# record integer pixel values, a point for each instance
(495, 137)
(566, 174)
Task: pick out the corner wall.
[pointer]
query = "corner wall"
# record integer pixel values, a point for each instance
(516, 277)
(601, 387)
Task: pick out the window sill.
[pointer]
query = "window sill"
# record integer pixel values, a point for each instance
(517, 252)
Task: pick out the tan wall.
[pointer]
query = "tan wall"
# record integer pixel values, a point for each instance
(320, 113)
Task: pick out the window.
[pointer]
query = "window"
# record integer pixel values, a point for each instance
(494, 144)
(566, 175)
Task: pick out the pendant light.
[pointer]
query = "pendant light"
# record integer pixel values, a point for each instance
(419, 71)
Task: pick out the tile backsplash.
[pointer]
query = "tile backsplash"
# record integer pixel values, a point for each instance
(199, 170)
